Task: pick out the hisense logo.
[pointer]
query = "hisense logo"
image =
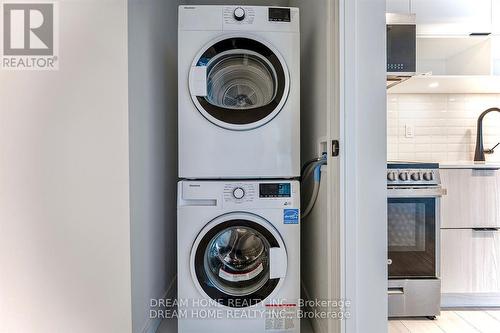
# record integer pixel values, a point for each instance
(30, 32)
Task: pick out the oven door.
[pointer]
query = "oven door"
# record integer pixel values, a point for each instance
(412, 237)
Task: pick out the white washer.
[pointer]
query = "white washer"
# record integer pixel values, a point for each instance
(238, 256)
(239, 92)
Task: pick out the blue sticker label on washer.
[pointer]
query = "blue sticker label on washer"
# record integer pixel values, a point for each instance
(291, 216)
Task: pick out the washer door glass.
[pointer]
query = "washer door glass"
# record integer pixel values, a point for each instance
(237, 261)
(246, 83)
(232, 263)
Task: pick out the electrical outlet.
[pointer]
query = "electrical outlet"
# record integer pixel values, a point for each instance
(409, 131)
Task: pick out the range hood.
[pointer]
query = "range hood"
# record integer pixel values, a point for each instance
(401, 47)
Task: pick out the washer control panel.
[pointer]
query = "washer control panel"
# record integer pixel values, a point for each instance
(239, 192)
(265, 194)
(238, 195)
(239, 15)
(275, 190)
(277, 14)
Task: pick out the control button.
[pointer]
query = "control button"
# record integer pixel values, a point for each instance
(415, 176)
(403, 176)
(239, 14)
(391, 176)
(238, 193)
(428, 176)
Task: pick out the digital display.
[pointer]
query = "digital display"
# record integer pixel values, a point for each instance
(279, 14)
(281, 190)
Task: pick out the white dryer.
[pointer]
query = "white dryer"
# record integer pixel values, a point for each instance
(238, 256)
(239, 92)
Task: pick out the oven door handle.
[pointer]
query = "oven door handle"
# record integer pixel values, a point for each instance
(416, 192)
(395, 291)
(486, 229)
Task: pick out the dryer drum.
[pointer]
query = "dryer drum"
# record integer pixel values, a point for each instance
(240, 81)
(247, 83)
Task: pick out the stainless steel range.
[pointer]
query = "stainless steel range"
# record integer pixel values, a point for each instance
(414, 192)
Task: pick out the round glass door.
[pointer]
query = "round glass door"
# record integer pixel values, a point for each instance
(240, 80)
(232, 262)
(246, 83)
(237, 261)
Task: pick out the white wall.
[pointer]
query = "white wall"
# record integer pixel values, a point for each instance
(320, 271)
(314, 74)
(364, 156)
(444, 126)
(153, 154)
(64, 189)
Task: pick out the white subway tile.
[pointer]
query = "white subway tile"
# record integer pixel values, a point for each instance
(444, 125)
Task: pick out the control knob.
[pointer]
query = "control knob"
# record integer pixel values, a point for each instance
(403, 176)
(428, 176)
(391, 176)
(238, 193)
(415, 176)
(239, 14)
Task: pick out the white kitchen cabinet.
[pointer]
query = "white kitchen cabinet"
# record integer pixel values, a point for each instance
(454, 55)
(496, 17)
(472, 199)
(452, 17)
(398, 6)
(470, 261)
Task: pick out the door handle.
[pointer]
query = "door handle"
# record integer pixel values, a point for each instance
(396, 291)
(485, 229)
(277, 263)
(198, 81)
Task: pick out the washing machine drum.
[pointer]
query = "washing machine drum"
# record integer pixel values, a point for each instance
(239, 83)
(232, 261)
(237, 261)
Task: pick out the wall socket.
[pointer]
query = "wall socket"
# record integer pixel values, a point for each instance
(409, 131)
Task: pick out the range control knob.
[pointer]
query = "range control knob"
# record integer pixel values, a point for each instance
(239, 14)
(403, 176)
(391, 176)
(428, 176)
(415, 176)
(238, 193)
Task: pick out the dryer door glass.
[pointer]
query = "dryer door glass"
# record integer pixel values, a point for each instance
(240, 81)
(246, 83)
(232, 263)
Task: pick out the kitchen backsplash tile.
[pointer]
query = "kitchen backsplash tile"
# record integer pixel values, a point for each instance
(444, 126)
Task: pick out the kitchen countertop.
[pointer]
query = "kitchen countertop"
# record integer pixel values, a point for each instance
(469, 165)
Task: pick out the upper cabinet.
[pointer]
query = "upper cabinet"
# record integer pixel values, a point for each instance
(496, 17)
(454, 55)
(452, 17)
(398, 6)
(452, 60)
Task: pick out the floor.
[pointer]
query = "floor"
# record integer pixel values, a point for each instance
(170, 326)
(451, 321)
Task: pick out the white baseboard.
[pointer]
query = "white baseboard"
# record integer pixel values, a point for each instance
(470, 300)
(152, 324)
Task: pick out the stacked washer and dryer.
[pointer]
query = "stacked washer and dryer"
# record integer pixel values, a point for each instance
(239, 155)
